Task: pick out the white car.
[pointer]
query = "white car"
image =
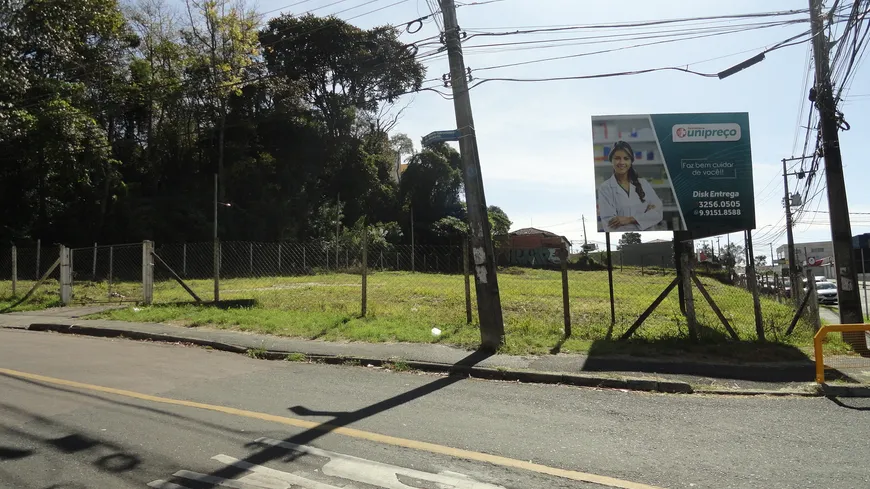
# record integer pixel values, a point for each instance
(827, 292)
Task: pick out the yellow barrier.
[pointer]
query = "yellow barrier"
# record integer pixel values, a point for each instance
(820, 335)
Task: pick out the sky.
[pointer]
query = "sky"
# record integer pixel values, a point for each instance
(535, 139)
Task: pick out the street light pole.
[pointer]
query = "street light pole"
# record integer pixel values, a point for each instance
(217, 254)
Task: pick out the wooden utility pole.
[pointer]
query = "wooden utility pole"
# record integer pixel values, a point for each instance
(485, 278)
(841, 229)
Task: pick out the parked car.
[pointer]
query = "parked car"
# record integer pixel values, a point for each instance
(821, 279)
(827, 293)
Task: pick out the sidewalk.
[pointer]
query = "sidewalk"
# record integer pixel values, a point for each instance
(606, 371)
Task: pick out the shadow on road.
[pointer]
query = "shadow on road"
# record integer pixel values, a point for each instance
(842, 404)
(342, 419)
(739, 360)
(55, 440)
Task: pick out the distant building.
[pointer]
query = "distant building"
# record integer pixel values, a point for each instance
(531, 247)
(818, 256)
(655, 253)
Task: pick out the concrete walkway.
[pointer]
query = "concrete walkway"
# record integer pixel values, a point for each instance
(614, 371)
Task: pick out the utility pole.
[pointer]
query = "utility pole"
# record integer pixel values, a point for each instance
(793, 278)
(718, 246)
(585, 243)
(485, 278)
(838, 208)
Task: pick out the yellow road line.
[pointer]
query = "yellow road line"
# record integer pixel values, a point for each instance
(351, 432)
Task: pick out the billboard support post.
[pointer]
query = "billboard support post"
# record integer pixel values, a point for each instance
(610, 285)
(686, 282)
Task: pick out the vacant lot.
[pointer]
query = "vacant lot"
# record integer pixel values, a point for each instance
(406, 306)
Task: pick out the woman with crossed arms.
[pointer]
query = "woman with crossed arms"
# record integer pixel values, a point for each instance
(626, 202)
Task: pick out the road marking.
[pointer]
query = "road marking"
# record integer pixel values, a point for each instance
(369, 472)
(350, 432)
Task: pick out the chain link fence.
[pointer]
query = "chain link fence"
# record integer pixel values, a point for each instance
(107, 273)
(21, 269)
(419, 288)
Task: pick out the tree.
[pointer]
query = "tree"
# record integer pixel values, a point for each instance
(628, 239)
(430, 188)
(339, 67)
(223, 39)
(402, 144)
(499, 222)
(61, 64)
(732, 255)
(760, 261)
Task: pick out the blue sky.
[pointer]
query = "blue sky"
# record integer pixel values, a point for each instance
(535, 138)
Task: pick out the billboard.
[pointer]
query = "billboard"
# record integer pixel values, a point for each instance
(673, 172)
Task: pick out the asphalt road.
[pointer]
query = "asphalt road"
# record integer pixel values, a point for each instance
(224, 416)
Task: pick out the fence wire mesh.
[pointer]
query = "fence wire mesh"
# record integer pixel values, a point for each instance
(417, 293)
(31, 263)
(107, 273)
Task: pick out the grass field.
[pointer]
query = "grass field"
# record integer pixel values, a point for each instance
(405, 307)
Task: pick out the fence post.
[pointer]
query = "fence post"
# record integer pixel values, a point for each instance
(111, 267)
(147, 273)
(94, 265)
(279, 259)
(303, 259)
(65, 276)
(14, 270)
(184, 260)
(365, 263)
(38, 256)
(466, 273)
(382, 260)
(813, 303)
(566, 302)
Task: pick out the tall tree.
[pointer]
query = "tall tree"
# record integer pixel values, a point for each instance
(628, 239)
(61, 64)
(222, 35)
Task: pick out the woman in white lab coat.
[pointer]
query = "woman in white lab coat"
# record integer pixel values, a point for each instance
(626, 202)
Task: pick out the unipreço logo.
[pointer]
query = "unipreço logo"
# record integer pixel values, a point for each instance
(702, 133)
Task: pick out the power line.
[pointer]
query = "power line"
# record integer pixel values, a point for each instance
(561, 28)
(621, 48)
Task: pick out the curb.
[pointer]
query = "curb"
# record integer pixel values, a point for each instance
(760, 392)
(488, 373)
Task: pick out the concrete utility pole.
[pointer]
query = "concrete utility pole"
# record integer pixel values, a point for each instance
(841, 229)
(793, 278)
(485, 278)
(585, 243)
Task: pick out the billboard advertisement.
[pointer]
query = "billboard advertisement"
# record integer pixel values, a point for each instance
(673, 172)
